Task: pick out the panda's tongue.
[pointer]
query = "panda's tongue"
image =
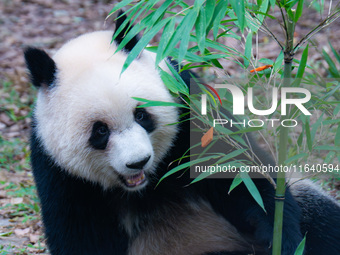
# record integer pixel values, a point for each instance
(135, 180)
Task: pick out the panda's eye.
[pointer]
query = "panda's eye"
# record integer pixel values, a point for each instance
(102, 130)
(143, 118)
(99, 136)
(139, 116)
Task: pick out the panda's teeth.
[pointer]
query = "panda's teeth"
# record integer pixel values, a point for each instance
(135, 179)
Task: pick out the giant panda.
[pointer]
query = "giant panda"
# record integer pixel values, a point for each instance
(97, 157)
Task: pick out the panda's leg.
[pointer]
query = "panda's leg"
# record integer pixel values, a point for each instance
(320, 218)
(240, 208)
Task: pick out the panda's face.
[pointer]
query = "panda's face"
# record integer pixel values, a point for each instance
(89, 123)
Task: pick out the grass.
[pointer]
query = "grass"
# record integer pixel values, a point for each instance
(20, 223)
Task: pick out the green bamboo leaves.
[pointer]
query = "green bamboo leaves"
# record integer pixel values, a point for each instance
(180, 28)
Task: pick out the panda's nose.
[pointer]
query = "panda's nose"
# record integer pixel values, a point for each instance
(140, 164)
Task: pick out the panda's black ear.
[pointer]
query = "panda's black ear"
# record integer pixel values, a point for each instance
(42, 68)
(119, 38)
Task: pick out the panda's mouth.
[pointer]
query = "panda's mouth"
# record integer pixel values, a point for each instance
(134, 180)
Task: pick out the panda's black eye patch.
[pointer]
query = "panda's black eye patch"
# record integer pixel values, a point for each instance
(143, 118)
(99, 136)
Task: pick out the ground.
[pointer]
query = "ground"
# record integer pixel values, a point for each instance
(47, 24)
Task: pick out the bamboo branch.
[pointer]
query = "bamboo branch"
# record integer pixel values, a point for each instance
(326, 22)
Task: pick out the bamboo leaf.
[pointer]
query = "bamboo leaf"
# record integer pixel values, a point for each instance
(183, 4)
(145, 9)
(330, 122)
(207, 148)
(224, 33)
(330, 93)
(303, 62)
(290, 4)
(316, 125)
(246, 130)
(237, 181)
(150, 103)
(278, 62)
(222, 129)
(166, 35)
(220, 15)
(160, 11)
(209, 11)
(252, 189)
(215, 56)
(218, 46)
(262, 13)
(300, 249)
(119, 6)
(185, 36)
(191, 66)
(208, 173)
(201, 177)
(239, 8)
(210, 95)
(308, 136)
(191, 57)
(238, 139)
(329, 157)
(182, 28)
(332, 67)
(299, 10)
(140, 26)
(125, 23)
(336, 110)
(296, 157)
(301, 69)
(263, 10)
(300, 139)
(172, 84)
(161, 103)
(231, 155)
(198, 4)
(143, 42)
(327, 148)
(266, 61)
(336, 54)
(183, 88)
(337, 136)
(290, 13)
(216, 63)
(186, 165)
(200, 29)
(133, 32)
(248, 47)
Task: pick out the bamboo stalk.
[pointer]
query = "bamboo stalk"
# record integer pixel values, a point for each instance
(283, 146)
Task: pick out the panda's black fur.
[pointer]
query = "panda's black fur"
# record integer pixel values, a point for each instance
(80, 217)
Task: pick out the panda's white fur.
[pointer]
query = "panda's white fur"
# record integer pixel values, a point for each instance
(89, 83)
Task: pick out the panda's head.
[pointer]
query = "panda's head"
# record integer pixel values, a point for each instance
(86, 118)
